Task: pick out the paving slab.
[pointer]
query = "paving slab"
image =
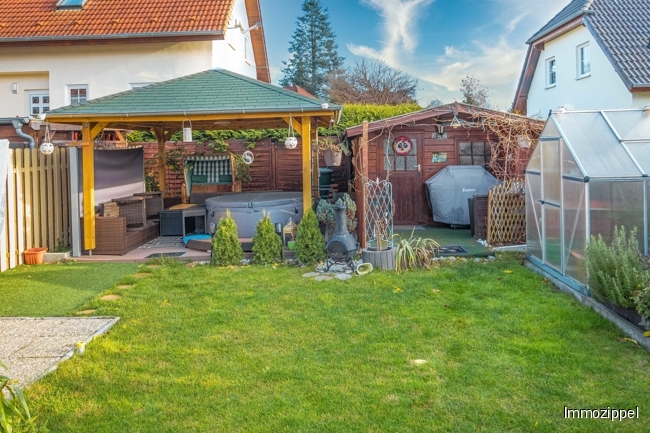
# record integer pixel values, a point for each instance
(32, 347)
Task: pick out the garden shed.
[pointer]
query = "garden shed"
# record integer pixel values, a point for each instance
(588, 174)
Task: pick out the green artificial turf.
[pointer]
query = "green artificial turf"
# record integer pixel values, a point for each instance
(265, 350)
(447, 236)
(57, 289)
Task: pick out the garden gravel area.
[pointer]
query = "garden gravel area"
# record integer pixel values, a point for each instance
(32, 347)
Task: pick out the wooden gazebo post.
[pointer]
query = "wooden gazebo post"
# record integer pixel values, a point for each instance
(306, 163)
(88, 133)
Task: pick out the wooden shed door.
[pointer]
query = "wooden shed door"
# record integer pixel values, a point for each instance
(406, 177)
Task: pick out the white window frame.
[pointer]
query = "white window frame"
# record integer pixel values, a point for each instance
(41, 105)
(77, 87)
(580, 51)
(247, 40)
(547, 66)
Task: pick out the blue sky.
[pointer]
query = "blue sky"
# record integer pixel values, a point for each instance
(437, 41)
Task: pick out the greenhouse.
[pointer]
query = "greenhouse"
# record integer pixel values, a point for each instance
(588, 174)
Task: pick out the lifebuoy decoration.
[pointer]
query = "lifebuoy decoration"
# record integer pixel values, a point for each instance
(402, 145)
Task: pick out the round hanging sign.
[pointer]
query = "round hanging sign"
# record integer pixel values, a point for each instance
(248, 157)
(402, 145)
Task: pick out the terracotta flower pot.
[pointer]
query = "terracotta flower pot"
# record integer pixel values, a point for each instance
(34, 256)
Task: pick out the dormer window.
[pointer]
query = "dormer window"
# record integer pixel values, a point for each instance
(71, 4)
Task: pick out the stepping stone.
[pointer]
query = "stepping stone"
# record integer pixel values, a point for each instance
(190, 265)
(323, 278)
(126, 286)
(142, 275)
(311, 275)
(343, 277)
(110, 298)
(154, 266)
(418, 362)
(87, 312)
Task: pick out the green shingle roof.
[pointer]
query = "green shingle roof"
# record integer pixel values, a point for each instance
(216, 91)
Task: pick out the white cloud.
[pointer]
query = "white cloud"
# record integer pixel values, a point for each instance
(398, 25)
(495, 59)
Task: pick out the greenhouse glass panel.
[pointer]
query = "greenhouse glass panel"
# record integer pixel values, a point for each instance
(575, 229)
(550, 130)
(630, 124)
(553, 248)
(535, 163)
(551, 170)
(616, 204)
(570, 167)
(595, 146)
(534, 215)
(641, 152)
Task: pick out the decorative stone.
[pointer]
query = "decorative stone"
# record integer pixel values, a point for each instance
(142, 275)
(323, 278)
(343, 277)
(491, 258)
(190, 265)
(384, 260)
(87, 312)
(110, 298)
(311, 275)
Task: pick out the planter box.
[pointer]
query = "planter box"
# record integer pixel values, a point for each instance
(384, 260)
(56, 257)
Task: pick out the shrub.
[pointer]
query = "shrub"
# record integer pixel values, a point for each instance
(641, 300)
(325, 215)
(415, 253)
(267, 245)
(615, 271)
(226, 249)
(310, 245)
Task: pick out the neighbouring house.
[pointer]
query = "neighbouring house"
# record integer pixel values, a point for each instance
(430, 140)
(55, 53)
(594, 54)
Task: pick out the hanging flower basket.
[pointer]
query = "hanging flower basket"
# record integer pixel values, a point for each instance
(34, 256)
(332, 159)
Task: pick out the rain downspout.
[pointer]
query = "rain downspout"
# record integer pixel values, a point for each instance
(18, 125)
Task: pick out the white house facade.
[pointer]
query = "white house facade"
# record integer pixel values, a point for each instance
(38, 74)
(575, 62)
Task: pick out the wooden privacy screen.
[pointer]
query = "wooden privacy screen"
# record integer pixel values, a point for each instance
(506, 215)
(38, 204)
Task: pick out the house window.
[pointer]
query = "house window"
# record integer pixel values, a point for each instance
(39, 103)
(474, 153)
(551, 77)
(584, 61)
(78, 94)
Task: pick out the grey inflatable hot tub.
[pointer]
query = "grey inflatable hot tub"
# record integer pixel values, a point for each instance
(246, 209)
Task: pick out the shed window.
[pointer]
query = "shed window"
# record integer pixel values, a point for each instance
(474, 152)
(395, 162)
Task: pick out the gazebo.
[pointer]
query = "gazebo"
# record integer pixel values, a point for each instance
(209, 100)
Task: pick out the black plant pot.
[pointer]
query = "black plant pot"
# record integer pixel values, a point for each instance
(624, 312)
(636, 318)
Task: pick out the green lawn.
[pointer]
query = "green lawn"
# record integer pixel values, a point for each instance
(58, 289)
(265, 350)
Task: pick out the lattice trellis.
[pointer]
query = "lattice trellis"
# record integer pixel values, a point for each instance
(507, 214)
(379, 213)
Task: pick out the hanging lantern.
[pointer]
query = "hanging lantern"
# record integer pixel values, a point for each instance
(187, 132)
(46, 148)
(291, 142)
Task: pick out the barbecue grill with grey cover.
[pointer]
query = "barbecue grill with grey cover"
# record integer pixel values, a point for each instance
(342, 247)
(448, 191)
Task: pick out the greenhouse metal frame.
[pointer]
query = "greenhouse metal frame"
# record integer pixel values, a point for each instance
(588, 174)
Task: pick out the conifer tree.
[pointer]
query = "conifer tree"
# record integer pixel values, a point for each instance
(314, 52)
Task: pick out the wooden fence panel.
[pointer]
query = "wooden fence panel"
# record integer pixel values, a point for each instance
(37, 207)
(506, 215)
